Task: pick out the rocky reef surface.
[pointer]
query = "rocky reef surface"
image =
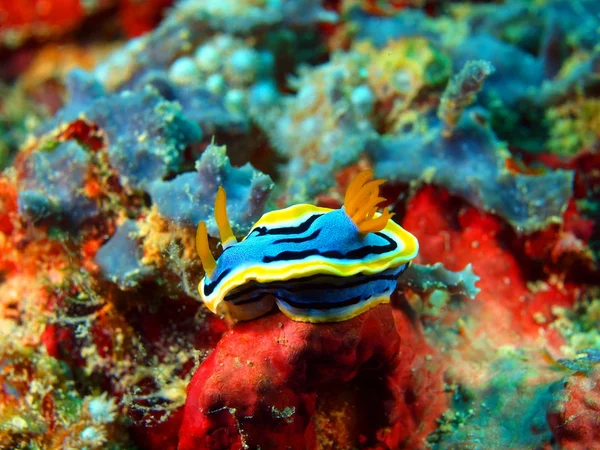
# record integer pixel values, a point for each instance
(119, 120)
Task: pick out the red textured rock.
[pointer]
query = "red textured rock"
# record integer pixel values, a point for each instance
(350, 415)
(8, 206)
(564, 245)
(574, 418)
(511, 304)
(418, 378)
(8, 212)
(24, 19)
(139, 17)
(258, 386)
(39, 16)
(87, 133)
(160, 436)
(60, 344)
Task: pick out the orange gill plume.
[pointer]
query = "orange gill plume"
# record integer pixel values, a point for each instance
(227, 236)
(361, 200)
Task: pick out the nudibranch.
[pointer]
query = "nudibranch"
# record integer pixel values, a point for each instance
(317, 264)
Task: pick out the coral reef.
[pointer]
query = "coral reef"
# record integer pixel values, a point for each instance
(339, 106)
(120, 121)
(189, 198)
(471, 162)
(120, 258)
(140, 155)
(62, 201)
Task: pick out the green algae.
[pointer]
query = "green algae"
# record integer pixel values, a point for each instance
(573, 126)
(579, 326)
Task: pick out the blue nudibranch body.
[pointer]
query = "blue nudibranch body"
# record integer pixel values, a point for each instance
(317, 264)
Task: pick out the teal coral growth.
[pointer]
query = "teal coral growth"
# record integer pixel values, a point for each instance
(428, 278)
(505, 412)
